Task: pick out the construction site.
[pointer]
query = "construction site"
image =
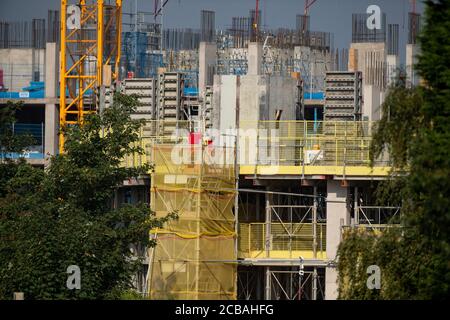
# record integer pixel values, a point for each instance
(258, 137)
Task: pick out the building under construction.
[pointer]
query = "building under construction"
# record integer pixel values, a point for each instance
(259, 138)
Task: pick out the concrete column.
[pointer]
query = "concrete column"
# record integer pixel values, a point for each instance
(337, 215)
(227, 108)
(315, 206)
(255, 53)
(51, 109)
(207, 61)
(268, 224)
(268, 291)
(393, 62)
(216, 99)
(372, 102)
(412, 50)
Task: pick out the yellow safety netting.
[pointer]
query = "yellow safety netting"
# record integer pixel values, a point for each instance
(195, 255)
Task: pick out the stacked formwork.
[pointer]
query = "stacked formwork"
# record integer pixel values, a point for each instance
(343, 101)
(195, 255)
(207, 110)
(343, 96)
(170, 101)
(145, 89)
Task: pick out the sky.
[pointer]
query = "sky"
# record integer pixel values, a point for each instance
(326, 15)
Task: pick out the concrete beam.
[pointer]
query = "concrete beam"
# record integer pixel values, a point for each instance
(273, 262)
(32, 101)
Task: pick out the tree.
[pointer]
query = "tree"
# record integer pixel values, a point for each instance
(415, 128)
(10, 143)
(63, 216)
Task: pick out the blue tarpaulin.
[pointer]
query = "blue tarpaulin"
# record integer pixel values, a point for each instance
(314, 96)
(35, 90)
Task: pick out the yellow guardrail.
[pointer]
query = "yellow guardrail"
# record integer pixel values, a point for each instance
(159, 132)
(323, 143)
(287, 240)
(282, 147)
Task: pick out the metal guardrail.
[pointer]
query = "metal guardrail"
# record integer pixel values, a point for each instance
(287, 237)
(278, 143)
(34, 151)
(376, 215)
(314, 143)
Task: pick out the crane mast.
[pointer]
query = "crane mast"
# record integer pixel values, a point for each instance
(90, 54)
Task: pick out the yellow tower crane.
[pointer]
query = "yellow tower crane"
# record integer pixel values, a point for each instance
(90, 53)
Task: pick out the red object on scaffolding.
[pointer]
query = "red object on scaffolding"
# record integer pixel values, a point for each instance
(195, 138)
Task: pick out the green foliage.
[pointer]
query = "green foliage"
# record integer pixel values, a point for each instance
(131, 295)
(65, 215)
(415, 129)
(9, 142)
(352, 266)
(402, 120)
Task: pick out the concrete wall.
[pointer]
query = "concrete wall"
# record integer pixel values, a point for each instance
(207, 60)
(17, 65)
(255, 54)
(371, 60)
(312, 65)
(337, 215)
(227, 102)
(412, 51)
(393, 63)
(253, 98)
(259, 98)
(282, 95)
(372, 96)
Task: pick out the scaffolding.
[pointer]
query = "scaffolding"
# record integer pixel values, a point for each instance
(287, 252)
(292, 225)
(367, 213)
(195, 256)
(267, 242)
(298, 147)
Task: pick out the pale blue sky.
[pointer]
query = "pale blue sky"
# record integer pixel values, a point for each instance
(326, 15)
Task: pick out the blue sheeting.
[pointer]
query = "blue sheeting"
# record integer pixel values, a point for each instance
(314, 96)
(35, 90)
(23, 95)
(26, 155)
(191, 91)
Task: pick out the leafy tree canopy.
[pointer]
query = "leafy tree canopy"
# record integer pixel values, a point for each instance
(415, 129)
(65, 215)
